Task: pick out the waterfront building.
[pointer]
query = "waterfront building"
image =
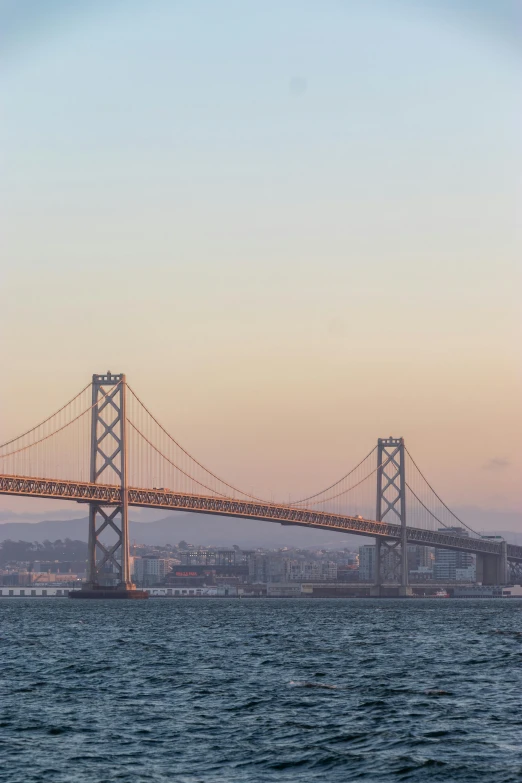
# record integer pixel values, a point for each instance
(264, 568)
(348, 573)
(311, 571)
(420, 557)
(149, 570)
(283, 590)
(367, 555)
(467, 573)
(367, 564)
(449, 563)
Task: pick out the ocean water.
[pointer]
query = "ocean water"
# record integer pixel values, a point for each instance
(254, 691)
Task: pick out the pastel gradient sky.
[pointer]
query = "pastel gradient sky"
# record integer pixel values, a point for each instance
(293, 224)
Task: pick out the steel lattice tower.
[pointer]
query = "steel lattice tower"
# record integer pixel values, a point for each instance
(109, 466)
(391, 560)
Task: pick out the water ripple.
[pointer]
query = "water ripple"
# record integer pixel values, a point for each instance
(212, 691)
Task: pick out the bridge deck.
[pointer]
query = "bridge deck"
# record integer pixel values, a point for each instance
(107, 494)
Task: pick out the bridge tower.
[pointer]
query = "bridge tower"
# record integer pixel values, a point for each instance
(391, 560)
(108, 564)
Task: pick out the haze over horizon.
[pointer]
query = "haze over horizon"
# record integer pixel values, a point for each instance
(200, 530)
(200, 197)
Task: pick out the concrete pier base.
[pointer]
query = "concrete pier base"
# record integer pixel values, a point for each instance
(493, 569)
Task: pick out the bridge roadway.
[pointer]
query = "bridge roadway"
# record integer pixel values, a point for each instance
(108, 494)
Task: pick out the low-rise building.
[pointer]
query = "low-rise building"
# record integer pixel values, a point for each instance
(449, 561)
(310, 571)
(283, 590)
(150, 570)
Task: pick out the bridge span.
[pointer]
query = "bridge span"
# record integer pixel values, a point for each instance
(111, 495)
(128, 450)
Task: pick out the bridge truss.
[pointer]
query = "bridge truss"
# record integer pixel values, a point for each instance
(119, 452)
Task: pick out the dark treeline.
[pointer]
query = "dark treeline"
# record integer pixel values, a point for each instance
(27, 551)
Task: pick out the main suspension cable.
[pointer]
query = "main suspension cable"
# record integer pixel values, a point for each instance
(8, 442)
(426, 507)
(345, 491)
(310, 497)
(439, 498)
(222, 481)
(160, 453)
(55, 432)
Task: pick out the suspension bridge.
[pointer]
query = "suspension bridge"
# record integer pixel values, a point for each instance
(106, 449)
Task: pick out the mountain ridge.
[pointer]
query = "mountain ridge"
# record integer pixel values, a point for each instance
(202, 529)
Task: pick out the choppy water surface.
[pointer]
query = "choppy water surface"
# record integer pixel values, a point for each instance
(260, 690)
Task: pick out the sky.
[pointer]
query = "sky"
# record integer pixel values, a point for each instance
(294, 225)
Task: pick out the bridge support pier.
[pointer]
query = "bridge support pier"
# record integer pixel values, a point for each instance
(375, 590)
(391, 558)
(514, 572)
(493, 569)
(503, 565)
(109, 563)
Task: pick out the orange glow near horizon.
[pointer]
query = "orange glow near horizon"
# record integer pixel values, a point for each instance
(289, 256)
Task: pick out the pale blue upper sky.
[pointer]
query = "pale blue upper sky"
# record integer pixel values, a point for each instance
(279, 212)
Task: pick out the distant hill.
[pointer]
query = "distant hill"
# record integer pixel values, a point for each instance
(249, 534)
(193, 528)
